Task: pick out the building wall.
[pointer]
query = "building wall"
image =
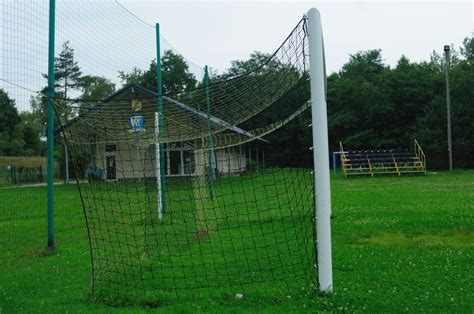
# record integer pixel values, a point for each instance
(133, 164)
(230, 160)
(129, 163)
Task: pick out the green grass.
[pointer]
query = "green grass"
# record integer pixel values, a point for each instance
(399, 244)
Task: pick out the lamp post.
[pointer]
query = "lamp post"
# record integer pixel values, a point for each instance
(448, 105)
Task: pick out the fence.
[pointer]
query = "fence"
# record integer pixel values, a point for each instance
(24, 170)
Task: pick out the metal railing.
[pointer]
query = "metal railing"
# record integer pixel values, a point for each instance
(420, 154)
(344, 159)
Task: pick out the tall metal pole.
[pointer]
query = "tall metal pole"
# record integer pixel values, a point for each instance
(209, 137)
(448, 105)
(50, 124)
(160, 119)
(320, 150)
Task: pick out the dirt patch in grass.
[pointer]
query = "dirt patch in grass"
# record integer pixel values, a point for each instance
(458, 239)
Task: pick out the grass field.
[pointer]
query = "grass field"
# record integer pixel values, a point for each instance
(399, 244)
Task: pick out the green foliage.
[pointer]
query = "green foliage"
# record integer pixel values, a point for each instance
(359, 104)
(18, 135)
(467, 50)
(431, 126)
(9, 120)
(176, 77)
(253, 64)
(373, 106)
(32, 131)
(146, 79)
(175, 74)
(95, 88)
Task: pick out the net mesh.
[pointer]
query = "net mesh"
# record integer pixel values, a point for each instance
(183, 193)
(174, 204)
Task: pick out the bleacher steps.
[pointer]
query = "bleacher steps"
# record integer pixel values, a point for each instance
(383, 162)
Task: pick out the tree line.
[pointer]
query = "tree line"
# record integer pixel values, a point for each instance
(370, 105)
(374, 106)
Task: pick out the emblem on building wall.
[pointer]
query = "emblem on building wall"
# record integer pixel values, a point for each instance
(136, 105)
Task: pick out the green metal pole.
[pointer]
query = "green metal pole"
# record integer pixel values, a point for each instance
(50, 124)
(209, 138)
(160, 117)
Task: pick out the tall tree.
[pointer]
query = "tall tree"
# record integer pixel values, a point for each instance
(359, 107)
(67, 77)
(176, 77)
(409, 88)
(94, 88)
(9, 130)
(467, 50)
(67, 73)
(254, 63)
(136, 76)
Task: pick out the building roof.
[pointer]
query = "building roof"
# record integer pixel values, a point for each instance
(134, 91)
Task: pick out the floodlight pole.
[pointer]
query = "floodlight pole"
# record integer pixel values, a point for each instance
(50, 124)
(320, 150)
(209, 137)
(448, 106)
(159, 124)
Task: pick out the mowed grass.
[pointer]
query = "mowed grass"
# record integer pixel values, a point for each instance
(399, 244)
(254, 236)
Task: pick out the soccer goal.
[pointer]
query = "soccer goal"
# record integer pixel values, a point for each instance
(185, 194)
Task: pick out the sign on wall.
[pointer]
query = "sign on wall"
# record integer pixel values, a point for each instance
(137, 123)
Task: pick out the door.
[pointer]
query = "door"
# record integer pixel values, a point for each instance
(111, 170)
(175, 162)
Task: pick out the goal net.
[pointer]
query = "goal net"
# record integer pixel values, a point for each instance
(195, 194)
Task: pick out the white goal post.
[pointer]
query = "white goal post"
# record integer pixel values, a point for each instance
(320, 150)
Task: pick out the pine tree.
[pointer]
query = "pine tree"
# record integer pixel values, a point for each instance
(67, 73)
(67, 77)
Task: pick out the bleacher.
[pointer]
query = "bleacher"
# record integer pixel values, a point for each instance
(383, 161)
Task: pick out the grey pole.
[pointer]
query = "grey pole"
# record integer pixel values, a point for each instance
(258, 161)
(66, 164)
(448, 106)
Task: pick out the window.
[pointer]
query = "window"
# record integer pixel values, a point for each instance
(110, 148)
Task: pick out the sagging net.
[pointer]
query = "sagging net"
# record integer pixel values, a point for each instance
(98, 35)
(175, 204)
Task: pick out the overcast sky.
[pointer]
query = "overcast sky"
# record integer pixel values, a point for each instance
(216, 32)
